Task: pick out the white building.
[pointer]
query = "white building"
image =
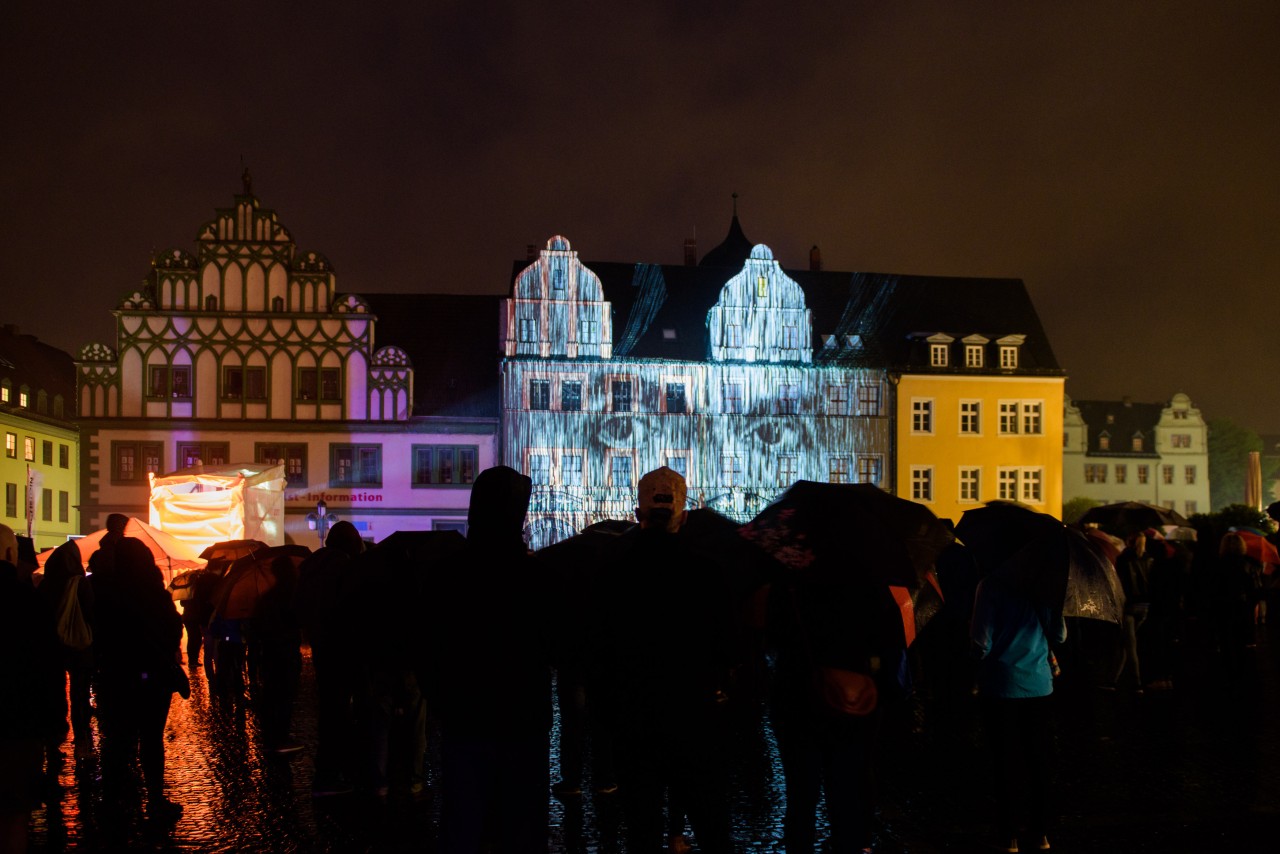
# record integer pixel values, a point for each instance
(246, 352)
(1118, 450)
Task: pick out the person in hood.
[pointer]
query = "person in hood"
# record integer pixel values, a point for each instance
(487, 671)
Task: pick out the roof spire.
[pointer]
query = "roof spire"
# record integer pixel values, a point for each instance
(735, 204)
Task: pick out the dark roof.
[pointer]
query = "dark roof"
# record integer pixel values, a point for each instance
(25, 360)
(452, 341)
(1126, 420)
(732, 251)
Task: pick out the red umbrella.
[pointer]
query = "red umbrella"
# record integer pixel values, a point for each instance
(1260, 548)
(917, 606)
(248, 578)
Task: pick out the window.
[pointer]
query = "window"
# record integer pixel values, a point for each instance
(355, 465)
(571, 396)
(1180, 440)
(1021, 483)
(838, 399)
(277, 304)
(922, 483)
(1166, 474)
(1095, 473)
(1032, 417)
(1008, 417)
(5, 392)
(1008, 357)
(42, 402)
(459, 525)
(733, 335)
(838, 470)
(528, 329)
(11, 500)
(1122, 473)
(786, 470)
(676, 402)
(64, 457)
(46, 453)
(1137, 442)
(620, 471)
(938, 355)
(1189, 473)
(870, 468)
(733, 398)
(540, 469)
(131, 461)
(203, 453)
(969, 483)
(678, 462)
(557, 279)
(571, 470)
(973, 356)
(1021, 416)
(790, 337)
(1191, 507)
(211, 303)
(241, 383)
(788, 398)
(731, 467)
(29, 449)
(24, 398)
(921, 416)
(588, 325)
(59, 410)
(869, 399)
(11, 445)
(762, 287)
(1144, 474)
(320, 384)
(1104, 442)
(444, 465)
(1179, 415)
(1031, 491)
(292, 455)
(621, 395)
(46, 505)
(170, 381)
(539, 394)
(64, 506)
(970, 417)
(1008, 480)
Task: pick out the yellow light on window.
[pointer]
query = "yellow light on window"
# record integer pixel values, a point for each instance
(762, 287)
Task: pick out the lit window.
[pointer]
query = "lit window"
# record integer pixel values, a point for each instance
(1181, 440)
(870, 468)
(922, 483)
(1122, 473)
(1137, 442)
(1190, 474)
(762, 287)
(444, 465)
(1166, 474)
(29, 449)
(355, 465)
(969, 478)
(1008, 357)
(1095, 473)
(973, 356)
(11, 445)
(5, 392)
(1144, 474)
(938, 355)
(921, 416)
(202, 453)
(838, 470)
(1104, 442)
(24, 399)
(970, 420)
(539, 394)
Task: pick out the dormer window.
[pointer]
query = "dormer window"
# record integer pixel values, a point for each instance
(973, 356)
(668, 335)
(853, 342)
(1111, 419)
(1008, 356)
(762, 287)
(24, 397)
(557, 279)
(1104, 442)
(1137, 441)
(938, 355)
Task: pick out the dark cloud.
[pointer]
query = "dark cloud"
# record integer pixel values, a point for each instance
(1118, 157)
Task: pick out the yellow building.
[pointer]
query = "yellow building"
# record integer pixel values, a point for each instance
(978, 396)
(40, 468)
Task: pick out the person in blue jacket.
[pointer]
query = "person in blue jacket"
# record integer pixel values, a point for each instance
(1011, 638)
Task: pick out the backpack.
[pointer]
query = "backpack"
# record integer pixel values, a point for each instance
(73, 630)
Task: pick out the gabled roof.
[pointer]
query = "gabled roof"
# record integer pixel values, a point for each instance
(452, 341)
(1120, 420)
(25, 360)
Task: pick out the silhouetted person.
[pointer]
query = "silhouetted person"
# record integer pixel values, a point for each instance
(1234, 581)
(137, 632)
(1134, 569)
(279, 639)
(325, 581)
(665, 637)
(1011, 638)
(28, 658)
(489, 677)
(64, 565)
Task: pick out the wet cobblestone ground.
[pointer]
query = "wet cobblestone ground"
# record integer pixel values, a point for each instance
(1195, 769)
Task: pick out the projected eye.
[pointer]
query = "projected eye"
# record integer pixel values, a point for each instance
(621, 432)
(769, 432)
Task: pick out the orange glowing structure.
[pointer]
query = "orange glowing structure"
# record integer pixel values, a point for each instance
(211, 504)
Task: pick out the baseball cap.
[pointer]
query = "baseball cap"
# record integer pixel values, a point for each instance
(663, 487)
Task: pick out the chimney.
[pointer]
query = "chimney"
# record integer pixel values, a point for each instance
(691, 251)
(815, 259)
(531, 252)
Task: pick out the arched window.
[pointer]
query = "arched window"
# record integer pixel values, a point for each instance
(210, 303)
(277, 303)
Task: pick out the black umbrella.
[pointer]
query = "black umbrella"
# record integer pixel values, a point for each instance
(999, 529)
(858, 532)
(229, 550)
(1128, 517)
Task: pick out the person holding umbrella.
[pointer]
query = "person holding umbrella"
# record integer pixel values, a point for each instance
(1011, 638)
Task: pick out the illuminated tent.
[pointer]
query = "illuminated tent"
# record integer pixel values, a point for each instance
(210, 504)
(171, 554)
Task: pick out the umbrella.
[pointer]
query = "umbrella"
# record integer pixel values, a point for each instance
(230, 550)
(917, 606)
(1258, 547)
(996, 531)
(172, 555)
(846, 531)
(1127, 517)
(249, 577)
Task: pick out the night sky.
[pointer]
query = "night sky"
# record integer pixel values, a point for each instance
(1121, 158)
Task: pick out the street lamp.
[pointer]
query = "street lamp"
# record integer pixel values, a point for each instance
(321, 520)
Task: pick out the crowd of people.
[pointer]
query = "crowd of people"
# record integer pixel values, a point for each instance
(644, 640)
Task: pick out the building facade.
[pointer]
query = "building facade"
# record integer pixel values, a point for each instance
(1119, 450)
(246, 352)
(41, 466)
